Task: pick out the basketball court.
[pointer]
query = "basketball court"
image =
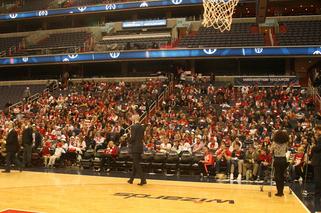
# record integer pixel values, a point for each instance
(183, 41)
(50, 192)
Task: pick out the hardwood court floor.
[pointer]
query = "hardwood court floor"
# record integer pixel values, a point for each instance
(50, 192)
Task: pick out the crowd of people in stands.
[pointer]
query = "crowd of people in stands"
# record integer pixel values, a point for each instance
(87, 116)
(231, 127)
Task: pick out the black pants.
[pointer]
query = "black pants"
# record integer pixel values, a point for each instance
(202, 169)
(296, 172)
(106, 161)
(137, 168)
(317, 181)
(262, 171)
(27, 152)
(280, 166)
(12, 158)
(219, 165)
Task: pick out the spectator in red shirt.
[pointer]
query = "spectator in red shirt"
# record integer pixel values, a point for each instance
(264, 161)
(208, 162)
(297, 164)
(223, 157)
(110, 155)
(45, 152)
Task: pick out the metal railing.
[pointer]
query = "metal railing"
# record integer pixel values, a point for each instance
(154, 105)
(314, 92)
(32, 98)
(118, 79)
(146, 114)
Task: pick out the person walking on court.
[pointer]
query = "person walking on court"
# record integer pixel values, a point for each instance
(27, 140)
(136, 147)
(12, 147)
(279, 149)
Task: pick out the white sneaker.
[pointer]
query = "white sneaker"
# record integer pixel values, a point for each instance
(231, 176)
(239, 177)
(300, 179)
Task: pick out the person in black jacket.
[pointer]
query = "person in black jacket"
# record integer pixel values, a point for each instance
(27, 144)
(12, 148)
(136, 147)
(36, 136)
(316, 163)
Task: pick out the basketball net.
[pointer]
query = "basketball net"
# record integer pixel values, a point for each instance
(218, 13)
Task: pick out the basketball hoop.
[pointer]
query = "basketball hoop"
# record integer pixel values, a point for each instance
(218, 13)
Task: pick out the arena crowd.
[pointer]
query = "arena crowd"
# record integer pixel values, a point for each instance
(230, 126)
